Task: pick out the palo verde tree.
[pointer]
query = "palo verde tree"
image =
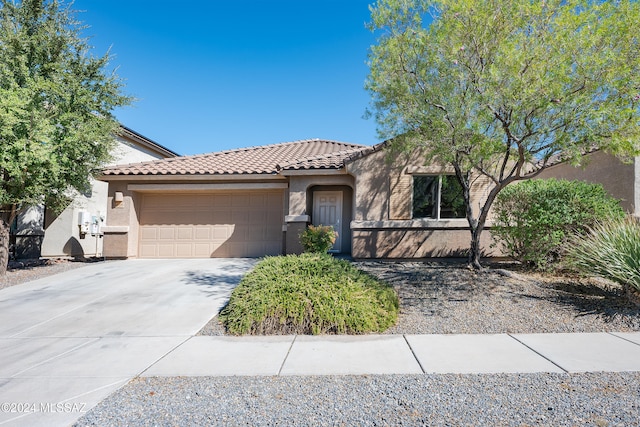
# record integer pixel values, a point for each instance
(499, 89)
(56, 103)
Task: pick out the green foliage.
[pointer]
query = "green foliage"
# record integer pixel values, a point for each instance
(56, 102)
(534, 219)
(318, 238)
(309, 294)
(610, 250)
(497, 89)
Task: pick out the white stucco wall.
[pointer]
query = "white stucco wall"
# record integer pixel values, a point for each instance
(62, 234)
(128, 152)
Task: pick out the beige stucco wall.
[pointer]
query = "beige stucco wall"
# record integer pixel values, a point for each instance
(383, 226)
(127, 151)
(300, 184)
(62, 234)
(416, 242)
(300, 206)
(122, 226)
(617, 177)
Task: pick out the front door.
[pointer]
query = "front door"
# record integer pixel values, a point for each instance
(327, 210)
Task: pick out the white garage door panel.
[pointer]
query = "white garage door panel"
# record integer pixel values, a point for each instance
(211, 225)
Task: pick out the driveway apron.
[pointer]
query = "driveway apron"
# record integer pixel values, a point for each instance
(68, 341)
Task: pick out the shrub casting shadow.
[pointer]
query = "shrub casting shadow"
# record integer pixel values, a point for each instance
(434, 289)
(590, 299)
(216, 284)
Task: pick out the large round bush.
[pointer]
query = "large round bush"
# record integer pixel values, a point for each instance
(534, 219)
(309, 294)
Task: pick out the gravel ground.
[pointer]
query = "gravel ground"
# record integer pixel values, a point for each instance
(606, 399)
(441, 298)
(448, 298)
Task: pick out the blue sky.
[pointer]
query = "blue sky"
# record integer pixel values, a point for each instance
(215, 75)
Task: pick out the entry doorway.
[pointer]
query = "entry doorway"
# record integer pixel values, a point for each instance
(327, 210)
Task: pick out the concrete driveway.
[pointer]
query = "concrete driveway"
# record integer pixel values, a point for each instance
(69, 340)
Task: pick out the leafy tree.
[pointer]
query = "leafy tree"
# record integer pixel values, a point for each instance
(56, 102)
(500, 89)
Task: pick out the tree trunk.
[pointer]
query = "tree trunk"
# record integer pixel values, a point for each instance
(4, 246)
(474, 249)
(474, 225)
(7, 215)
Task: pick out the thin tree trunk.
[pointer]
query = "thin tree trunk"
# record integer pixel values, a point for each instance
(7, 215)
(4, 246)
(474, 225)
(475, 249)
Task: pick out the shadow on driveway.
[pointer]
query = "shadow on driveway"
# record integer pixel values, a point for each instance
(220, 282)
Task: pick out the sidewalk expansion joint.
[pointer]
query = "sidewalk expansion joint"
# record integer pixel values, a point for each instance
(622, 338)
(540, 354)
(414, 354)
(287, 355)
(163, 356)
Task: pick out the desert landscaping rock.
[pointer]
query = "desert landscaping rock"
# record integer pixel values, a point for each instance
(448, 298)
(453, 400)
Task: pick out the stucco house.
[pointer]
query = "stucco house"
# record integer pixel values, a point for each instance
(256, 201)
(39, 232)
(620, 179)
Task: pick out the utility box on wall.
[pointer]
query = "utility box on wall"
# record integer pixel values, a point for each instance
(84, 222)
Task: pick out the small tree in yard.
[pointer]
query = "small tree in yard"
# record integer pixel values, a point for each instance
(56, 103)
(500, 89)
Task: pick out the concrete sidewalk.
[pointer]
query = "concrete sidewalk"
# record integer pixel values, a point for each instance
(70, 375)
(401, 354)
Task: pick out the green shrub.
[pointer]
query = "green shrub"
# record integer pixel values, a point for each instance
(309, 294)
(534, 219)
(318, 239)
(610, 250)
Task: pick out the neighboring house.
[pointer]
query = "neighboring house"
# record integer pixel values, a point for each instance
(255, 201)
(39, 232)
(620, 179)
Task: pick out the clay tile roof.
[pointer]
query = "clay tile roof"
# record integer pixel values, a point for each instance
(334, 160)
(253, 160)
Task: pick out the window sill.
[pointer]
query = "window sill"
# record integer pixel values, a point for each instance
(410, 223)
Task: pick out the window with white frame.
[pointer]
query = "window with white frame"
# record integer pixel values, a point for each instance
(437, 197)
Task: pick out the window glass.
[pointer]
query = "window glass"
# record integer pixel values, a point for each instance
(451, 198)
(425, 196)
(428, 190)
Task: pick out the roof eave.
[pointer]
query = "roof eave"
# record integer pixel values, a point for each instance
(146, 142)
(315, 171)
(203, 177)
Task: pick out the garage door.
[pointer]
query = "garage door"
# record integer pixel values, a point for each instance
(247, 224)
